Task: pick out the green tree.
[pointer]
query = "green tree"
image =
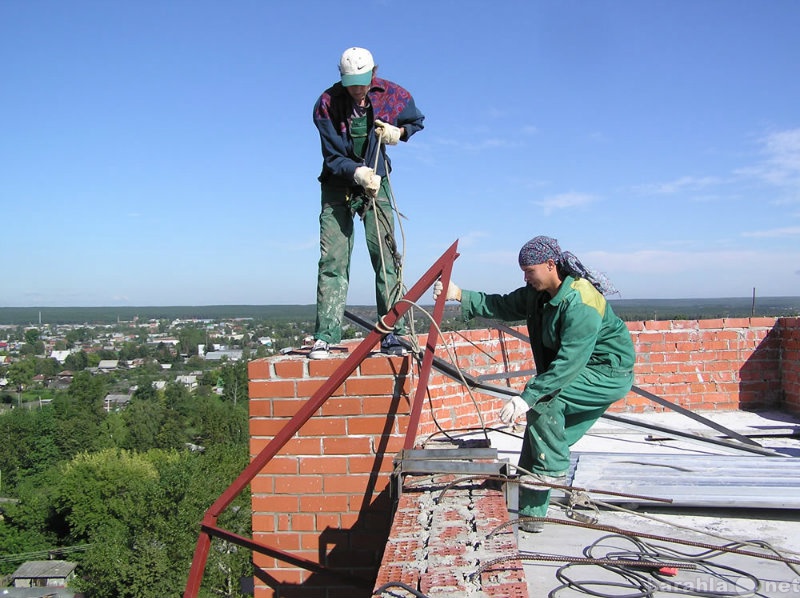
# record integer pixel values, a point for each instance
(235, 383)
(28, 447)
(28, 525)
(48, 366)
(140, 512)
(143, 421)
(21, 373)
(189, 338)
(77, 362)
(145, 391)
(80, 412)
(219, 422)
(164, 353)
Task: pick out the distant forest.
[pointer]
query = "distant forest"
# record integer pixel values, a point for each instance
(627, 309)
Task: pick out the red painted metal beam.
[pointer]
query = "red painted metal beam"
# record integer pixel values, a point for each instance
(287, 557)
(440, 269)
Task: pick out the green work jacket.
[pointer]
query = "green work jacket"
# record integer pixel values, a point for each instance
(574, 330)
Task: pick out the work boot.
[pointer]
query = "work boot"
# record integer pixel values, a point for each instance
(534, 498)
(320, 350)
(532, 527)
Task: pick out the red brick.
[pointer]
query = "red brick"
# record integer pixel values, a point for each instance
(371, 463)
(287, 407)
(303, 446)
(330, 520)
(302, 522)
(258, 369)
(309, 387)
(262, 484)
(298, 484)
(352, 483)
(384, 367)
(370, 425)
(346, 446)
(260, 407)
(291, 368)
(271, 389)
(274, 504)
(281, 465)
(324, 464)
(324, 426)
(384, 404)
(358, 387)
(324, 504)
(323, 368)
(342, 406)
(266, 427)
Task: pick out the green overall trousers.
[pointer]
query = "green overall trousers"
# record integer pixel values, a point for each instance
(339, 206)
(556, 424)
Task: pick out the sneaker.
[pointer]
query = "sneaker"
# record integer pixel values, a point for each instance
(391, 346)
(320, 350)
(532, 527)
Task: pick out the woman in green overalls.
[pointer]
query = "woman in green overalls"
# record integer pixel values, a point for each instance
(583, 352)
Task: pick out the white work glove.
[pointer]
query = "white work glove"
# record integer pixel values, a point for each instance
(367, 178)
(387, 134)
(513, 409)
(453, 292)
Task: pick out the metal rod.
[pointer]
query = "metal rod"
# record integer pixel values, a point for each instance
(726, 444)
(656, 399)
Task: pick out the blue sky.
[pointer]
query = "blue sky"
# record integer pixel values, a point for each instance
(163, 152)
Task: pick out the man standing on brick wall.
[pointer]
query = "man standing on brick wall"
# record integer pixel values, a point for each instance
(356, 119)
(584, 359)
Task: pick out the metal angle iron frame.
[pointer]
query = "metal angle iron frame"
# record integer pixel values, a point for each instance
(440, 270)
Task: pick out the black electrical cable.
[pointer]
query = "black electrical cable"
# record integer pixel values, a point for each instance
(398, 584)
(741, 584)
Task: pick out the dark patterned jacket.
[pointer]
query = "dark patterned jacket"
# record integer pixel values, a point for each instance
(389, 102)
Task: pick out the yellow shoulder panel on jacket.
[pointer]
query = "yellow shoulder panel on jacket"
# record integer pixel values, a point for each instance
(590, 295)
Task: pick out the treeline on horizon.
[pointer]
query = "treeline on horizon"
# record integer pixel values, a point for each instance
(627, 309)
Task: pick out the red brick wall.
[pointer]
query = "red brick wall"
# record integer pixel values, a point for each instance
(722, 364)
(324, 496)
(790, 362)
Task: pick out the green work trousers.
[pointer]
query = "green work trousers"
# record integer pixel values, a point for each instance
(336, 239)
(555, 424)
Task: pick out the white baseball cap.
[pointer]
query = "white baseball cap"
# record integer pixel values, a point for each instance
(355, 67)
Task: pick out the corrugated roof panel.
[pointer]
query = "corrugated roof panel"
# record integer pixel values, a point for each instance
(693, 480)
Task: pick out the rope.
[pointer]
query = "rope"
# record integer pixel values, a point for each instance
(452, 357)
(388, 241)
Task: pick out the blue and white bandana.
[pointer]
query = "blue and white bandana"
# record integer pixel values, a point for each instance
(540, 249)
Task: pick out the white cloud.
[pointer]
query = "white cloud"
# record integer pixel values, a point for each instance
(781, 165)
(471, 238)
(565, 201)
(788, 231)
(680, 185)
(676, 274)
(783, 150)
(479, 145)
